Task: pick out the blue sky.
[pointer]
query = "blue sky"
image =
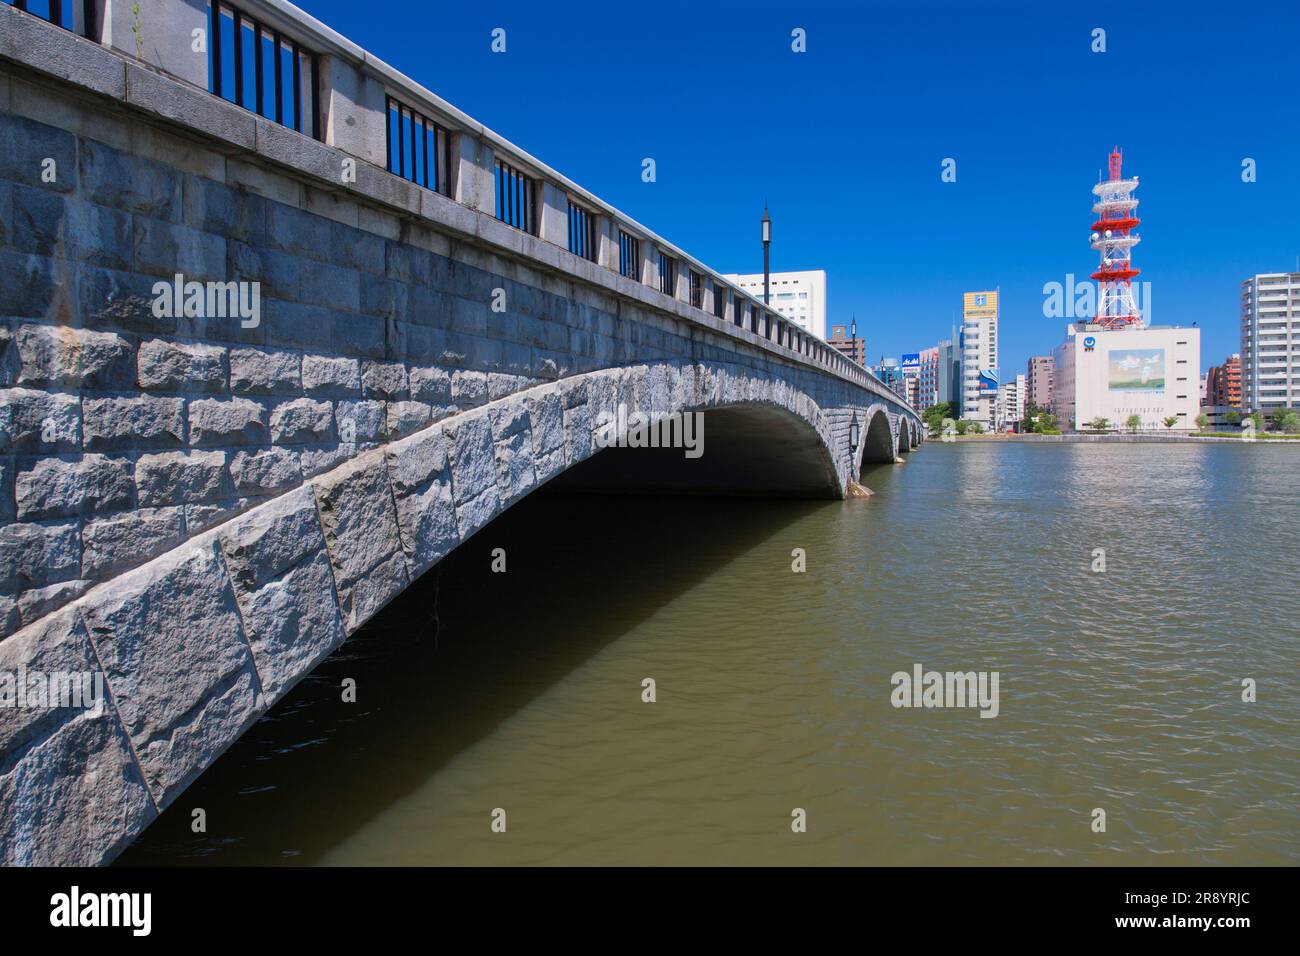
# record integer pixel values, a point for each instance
(846, 140)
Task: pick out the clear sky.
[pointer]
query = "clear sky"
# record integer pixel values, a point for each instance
(846, 141)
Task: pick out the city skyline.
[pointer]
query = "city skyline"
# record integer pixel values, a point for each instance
(1012, 94)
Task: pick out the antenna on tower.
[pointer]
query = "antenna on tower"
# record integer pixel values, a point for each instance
(1113, 238)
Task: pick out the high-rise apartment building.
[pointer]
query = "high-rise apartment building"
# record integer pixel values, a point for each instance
(799, 296)
(1270, 341)
(912, 384)
(927, 379)
(1223, 384)
(1042, 375)
(979, 357)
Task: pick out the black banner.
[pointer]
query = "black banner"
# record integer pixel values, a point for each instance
(331, 906)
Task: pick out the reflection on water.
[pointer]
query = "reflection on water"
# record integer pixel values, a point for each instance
(522, 690)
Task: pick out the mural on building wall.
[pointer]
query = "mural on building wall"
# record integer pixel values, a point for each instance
(1137, 370)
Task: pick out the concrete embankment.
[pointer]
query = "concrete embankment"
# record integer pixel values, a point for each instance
(1150, 438)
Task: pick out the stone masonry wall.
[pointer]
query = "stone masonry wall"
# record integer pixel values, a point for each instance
(123, 433)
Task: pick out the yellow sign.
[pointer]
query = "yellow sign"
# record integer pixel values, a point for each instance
(978, 305)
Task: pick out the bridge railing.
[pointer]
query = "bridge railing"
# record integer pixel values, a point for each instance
(281, 63)
(69, 14)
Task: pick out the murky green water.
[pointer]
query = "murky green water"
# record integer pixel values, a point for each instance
(522, 691)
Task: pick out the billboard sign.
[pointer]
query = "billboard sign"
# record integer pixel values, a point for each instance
(1136, 370)
(977, 305)
(911, 363)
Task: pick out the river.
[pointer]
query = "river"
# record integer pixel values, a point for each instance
(522, 691)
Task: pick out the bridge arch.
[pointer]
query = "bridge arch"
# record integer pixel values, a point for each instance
(196, 644)
(904, 435)
(879, 442)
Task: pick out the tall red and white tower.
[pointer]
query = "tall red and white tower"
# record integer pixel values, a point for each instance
(1114, 239)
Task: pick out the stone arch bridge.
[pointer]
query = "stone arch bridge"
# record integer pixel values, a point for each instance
(198, 504)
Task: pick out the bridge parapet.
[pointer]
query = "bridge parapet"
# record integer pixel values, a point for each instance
(350, 107)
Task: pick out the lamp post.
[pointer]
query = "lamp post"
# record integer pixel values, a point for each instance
(853, 437)
(767, 242)
(854, 339)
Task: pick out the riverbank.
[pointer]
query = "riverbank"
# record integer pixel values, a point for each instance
(1122, 438)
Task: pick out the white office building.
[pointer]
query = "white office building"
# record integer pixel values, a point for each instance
(1010, 406)
(799, 296)
(1152, 373)
(979, 357)
(1270, 341)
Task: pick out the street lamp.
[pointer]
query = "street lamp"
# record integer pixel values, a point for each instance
(853, 332)
(767, 242)
(853, 436)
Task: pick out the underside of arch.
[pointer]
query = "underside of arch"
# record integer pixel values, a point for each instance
(746, 450)
(878, 447)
